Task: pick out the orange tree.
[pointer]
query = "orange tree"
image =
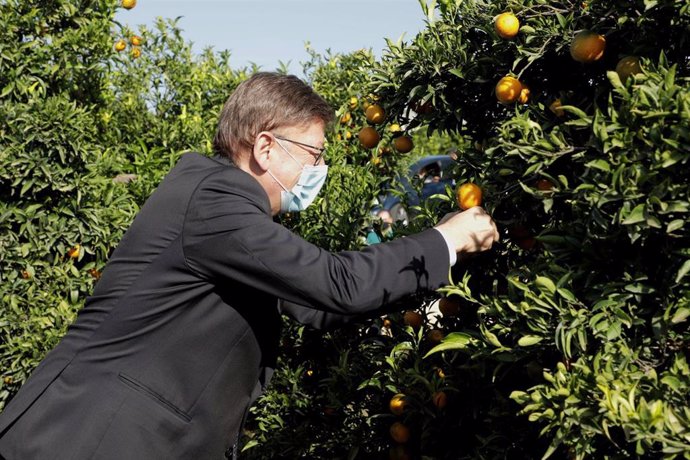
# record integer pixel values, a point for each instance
(571, 336)
(569, 339)
(89, 129)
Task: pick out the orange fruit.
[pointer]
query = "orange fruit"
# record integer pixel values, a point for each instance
(629, 65)
(375, 114)
(26, 275)
(435, 335)
(587, 46)
(369, 137)
(522, 237)
(397, 404)
(507, 25)
(555, 107)
(440, 399)
(400, 433)
(73, 252)
(525, 93)
(449, 306)
(399, 452)
(508, 90)
(423, 108)
(120, 45)
(136, 52)
(94, 273)
(129, 4)
(387, 323)
(469, 195)
(414, 319)
(544, 185)
(345, 118)
(135, 40)
(403, 144)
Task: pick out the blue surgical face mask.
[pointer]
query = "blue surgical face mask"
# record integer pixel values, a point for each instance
(305, 190)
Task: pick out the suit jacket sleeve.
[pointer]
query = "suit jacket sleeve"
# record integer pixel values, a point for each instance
(229, 235)
(316, 319)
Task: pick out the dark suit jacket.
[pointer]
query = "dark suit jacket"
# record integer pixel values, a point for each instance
(182, 330)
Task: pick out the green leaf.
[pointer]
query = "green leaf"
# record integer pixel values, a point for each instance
(683, 271)
(675, 225)
(602, 165)
(453, 341)
(636, 215)
(681, 315)
(545, 284)
(529, 340)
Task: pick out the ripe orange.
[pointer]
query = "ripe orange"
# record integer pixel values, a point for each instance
(135, 40)
(400, 433)
(129, 4)
(345, 118)
(136, 52)
(449, 306)
(469, 195)
(120, 45)
(423, 108)
(403, 144)
(369, 137)
(375, 114)
(629, 65)
(507, 25)
(544, 185)
(397, 404)
(73, 252)
(94, 273)
(440, 399)
(555, 107)
(525, 93)
(587, 46)
(522, 237)
(414, 319)
(387, 323)
(508, 90)
(435, 335)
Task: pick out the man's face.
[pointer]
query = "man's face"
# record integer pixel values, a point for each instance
(293, 148)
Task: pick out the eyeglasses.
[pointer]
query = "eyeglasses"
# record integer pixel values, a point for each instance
(318, 155)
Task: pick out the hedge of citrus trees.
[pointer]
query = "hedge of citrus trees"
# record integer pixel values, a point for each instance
(569, 340)
(88, 130)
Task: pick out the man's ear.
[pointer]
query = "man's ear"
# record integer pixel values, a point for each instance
(261, 152)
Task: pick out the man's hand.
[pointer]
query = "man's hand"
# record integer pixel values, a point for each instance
(471, 231)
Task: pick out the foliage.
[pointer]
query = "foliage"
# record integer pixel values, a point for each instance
(88, 134)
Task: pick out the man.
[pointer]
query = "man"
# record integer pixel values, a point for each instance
(181, 333)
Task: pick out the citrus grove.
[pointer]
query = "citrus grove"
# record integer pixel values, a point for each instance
(571, 124)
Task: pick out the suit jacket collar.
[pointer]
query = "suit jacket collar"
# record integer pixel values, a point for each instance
(254, 189)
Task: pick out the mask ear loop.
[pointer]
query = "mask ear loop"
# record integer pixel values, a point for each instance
(276, 179)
